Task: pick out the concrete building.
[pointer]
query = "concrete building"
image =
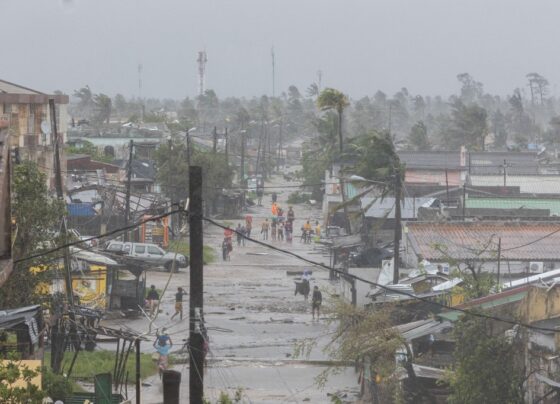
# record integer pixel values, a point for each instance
(27, 115)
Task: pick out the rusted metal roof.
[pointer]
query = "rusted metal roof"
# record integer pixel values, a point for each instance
(478, 241)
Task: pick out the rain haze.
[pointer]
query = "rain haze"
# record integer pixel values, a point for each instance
(360, 46)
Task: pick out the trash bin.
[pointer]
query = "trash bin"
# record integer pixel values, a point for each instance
(171, 387)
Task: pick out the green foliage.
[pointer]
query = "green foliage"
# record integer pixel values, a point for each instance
(225, 398)
(469, 126)
(486, 370)
(103, 108)
(182, 247)
(56, 386)
(89, 364)
(331, 99)
(173, 171)
(418, 137)
(11, 372)
(356, 332)
(91, 150)
(298, 197)
(37, 216)
(374, 158)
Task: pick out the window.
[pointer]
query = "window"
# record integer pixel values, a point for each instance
(139, 249)
(115, 247)
(154, 250)
(126, 248)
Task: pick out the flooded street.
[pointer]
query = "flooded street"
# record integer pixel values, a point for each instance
(253, 318)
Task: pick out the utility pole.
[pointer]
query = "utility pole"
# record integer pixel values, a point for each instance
(398, 228)
(66, 253)
(128, 183)
(227, 152)
(499, 259)
(214, 140)
(464, 200)
(273, 73)
(242, 170)
(196, 338)
(279, 145)
(188, 148)
(446, 187)
(505, 173)
(138, 376)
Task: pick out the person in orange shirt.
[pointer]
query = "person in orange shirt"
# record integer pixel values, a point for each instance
(274, 209)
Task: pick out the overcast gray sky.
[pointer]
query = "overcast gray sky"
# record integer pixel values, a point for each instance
(359, 45)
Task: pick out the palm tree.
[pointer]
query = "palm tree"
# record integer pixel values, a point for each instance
(333, 99)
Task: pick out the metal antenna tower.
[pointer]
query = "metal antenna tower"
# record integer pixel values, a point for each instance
(319, 79)
(202, 59)
(273, 73)
(140, 80)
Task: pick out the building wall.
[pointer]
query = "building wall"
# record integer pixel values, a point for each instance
(454, 177)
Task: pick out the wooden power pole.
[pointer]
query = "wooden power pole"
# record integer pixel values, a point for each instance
(398, 227)
(66, 253)
(196, 326)
(128, 183)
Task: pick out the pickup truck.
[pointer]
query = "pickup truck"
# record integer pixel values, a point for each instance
(150, 253)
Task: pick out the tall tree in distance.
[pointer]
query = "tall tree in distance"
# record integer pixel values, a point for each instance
(538, 86)
(469, 126)
(331, 99)
(103, 108)
(418, 137)
(471, 90)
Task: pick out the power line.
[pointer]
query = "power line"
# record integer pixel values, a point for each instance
(110, 233)
(388, 289)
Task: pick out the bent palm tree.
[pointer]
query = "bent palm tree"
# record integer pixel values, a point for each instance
(333, 99)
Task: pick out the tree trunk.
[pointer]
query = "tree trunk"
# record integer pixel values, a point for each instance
(340, 141)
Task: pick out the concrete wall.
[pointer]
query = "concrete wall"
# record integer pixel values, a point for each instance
(362, 288)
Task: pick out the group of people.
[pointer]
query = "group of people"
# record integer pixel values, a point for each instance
(304, 288)
(281, 224)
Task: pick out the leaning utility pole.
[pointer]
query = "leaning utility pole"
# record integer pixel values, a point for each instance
(127, 201)
(214, 140)
(398, 228)
(227, 152)
(196, 337)
(66, 253)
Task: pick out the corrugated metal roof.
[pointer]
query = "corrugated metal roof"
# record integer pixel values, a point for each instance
(430, 159)
(553, 205)
(492, 162)
(521, 241)
(385, 208)
(487, 302)
(531, 184)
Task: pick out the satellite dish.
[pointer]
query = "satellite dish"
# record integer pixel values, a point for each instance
(45, 128)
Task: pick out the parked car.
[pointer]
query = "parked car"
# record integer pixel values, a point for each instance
(150, 253)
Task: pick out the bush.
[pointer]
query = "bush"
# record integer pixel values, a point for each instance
(56, 386)
(298, 197)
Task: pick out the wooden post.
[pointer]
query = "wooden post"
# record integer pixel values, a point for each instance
(196, 338)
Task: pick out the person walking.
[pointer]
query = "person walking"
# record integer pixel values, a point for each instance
(248, 225)
(163, 345)
(291, 216)
(317, 230)
(280, 231)
(316, 301)
(153, 299)
(288, 229)
(264, 229)
(179, 303)
(260, 193)
(239, 234)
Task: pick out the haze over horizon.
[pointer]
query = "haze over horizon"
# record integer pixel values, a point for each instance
(360, 46)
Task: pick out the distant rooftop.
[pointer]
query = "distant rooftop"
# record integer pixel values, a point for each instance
(521, 241)
(551, 204)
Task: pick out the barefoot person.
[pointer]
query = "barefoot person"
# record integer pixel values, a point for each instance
(179, 303)
(316, 302)
(153, 299)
